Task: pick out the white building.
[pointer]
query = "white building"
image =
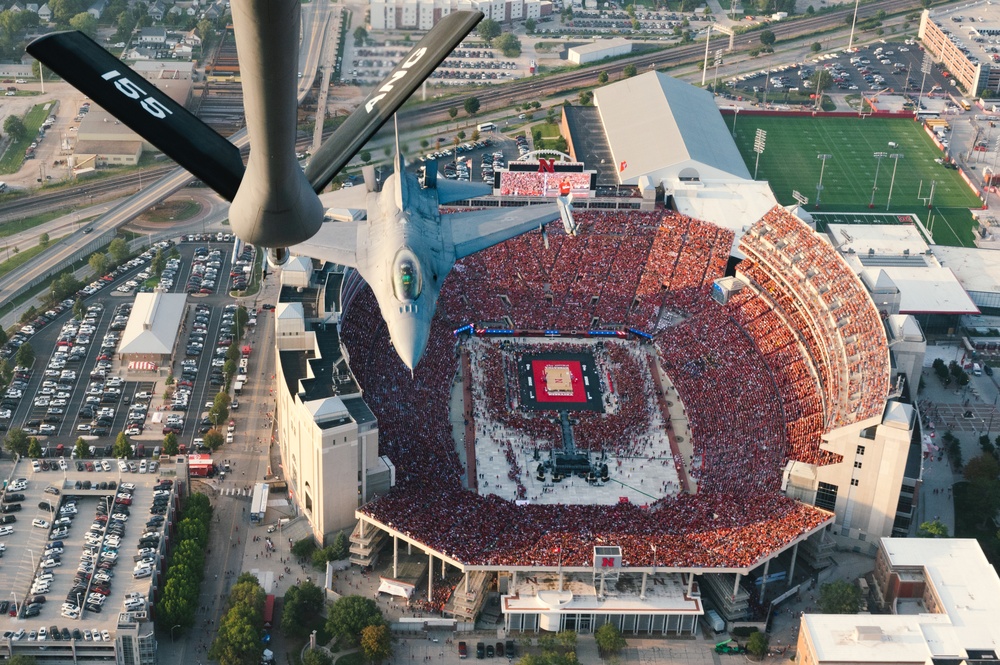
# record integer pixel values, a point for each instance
(150, 335)
(327, 434)
(943, 597)
(424, 14)
(604, 48)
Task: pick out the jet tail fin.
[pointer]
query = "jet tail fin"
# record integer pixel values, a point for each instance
(143, 108)
(386, 99)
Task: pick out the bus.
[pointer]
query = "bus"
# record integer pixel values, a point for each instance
(487, 127)
(964, 103)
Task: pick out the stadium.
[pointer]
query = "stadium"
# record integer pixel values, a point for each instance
(632, 425)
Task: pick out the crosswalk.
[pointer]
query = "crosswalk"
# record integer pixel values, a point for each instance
(236, 491)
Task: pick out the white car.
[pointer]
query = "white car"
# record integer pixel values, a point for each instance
(106, 636)
(40, 523)
(6, 530)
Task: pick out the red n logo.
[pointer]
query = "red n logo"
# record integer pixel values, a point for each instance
(546, 165)
(607, 562)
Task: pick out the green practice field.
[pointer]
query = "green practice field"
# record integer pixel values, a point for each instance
(790, 163)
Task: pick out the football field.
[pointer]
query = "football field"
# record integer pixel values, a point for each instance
(790, 163)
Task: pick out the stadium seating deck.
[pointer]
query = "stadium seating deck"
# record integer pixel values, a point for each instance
(760, 379)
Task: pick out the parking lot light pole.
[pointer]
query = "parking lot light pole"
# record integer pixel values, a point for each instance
(878, 156)
(172, 633)
(854, 22)
(896, 156)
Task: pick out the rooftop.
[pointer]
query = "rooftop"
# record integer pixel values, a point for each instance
(963, 581)
(898, 252)
(153, 324)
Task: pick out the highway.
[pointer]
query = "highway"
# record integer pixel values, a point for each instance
(315, 19)
(315, 16)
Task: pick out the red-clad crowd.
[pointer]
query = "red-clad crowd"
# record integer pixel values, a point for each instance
(749, 385)
(805, 279)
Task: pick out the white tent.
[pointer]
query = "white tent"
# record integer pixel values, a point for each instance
(395, 587)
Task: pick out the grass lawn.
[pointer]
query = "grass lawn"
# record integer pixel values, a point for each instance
(11, 160)
(18, 225)
(23, 256)
(790, 162)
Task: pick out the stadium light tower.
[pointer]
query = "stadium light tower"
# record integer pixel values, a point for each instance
(854, 22)
(878, 156)
(896, 156)
(819, 186)
(759, 143)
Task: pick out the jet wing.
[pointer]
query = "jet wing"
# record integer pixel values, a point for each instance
(336, 242)
(475, 231)
(351, 198)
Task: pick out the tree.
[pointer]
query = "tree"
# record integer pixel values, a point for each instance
(123, 447)
(816, 47)
(629, 71)
(25, 356)
(304, 547)
(118, 250)
(821, 81)
(529, 26)
(302, 607)
(219, 412)
(79, 309)
(170, 445)
(350, 615)
(471, 105)
(360, 35)
(43, 240)
(158, 262)
(34, 448)
(982, 467)
(14, 127)
(839, 597)
(376, 643)
(98, 262)
(757, 644)
(509, 44)
(341, 547)
(16, 441)
(602, 78)
(315, 656)
(81, 450)
(767, 38)
(609, 640)
(452, 112)
(214, 439)
(85, 23)
(365, 156)
(3, 340)
(933, 529)
(489, 30)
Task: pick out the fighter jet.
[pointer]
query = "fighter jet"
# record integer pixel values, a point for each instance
(406, 247)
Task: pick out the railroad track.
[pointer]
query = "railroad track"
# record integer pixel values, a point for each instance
(417, 114)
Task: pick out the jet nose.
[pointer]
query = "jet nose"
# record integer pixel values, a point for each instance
(409, 338)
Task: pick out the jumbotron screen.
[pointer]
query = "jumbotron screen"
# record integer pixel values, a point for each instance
(527, 183)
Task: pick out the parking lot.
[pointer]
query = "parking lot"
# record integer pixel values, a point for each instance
(64, 580)
(893, 66)
(77, 387)
(478, 161)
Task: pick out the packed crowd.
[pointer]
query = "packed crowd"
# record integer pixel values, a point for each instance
(533, 183)
(764, 407)
(813, 286)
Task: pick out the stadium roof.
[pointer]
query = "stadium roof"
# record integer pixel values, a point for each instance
(153, 324)
(897, 252)
(663, 127)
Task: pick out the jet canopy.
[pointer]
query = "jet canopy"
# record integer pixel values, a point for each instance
(407, 280)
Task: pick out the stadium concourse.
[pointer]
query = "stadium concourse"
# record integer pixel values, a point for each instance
(758, 381)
